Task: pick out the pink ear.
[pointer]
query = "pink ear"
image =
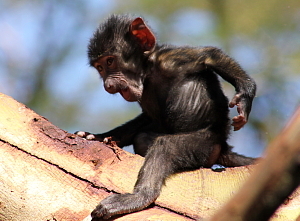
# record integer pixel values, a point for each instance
(143, 34)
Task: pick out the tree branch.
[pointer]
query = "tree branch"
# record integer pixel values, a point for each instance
(274, 179)
(49, 174)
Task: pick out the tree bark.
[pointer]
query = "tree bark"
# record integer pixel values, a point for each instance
(49, 174)
(272, 182)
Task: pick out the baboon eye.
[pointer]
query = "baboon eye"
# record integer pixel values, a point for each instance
(109, 61)
(99, 68)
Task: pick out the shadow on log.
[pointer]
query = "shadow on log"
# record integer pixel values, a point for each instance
(48, 174)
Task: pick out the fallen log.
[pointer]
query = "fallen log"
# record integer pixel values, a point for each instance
(49, 174)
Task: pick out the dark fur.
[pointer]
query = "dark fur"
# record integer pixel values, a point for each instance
(184, 123)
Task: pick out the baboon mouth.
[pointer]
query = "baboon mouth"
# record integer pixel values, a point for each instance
(126, 94)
